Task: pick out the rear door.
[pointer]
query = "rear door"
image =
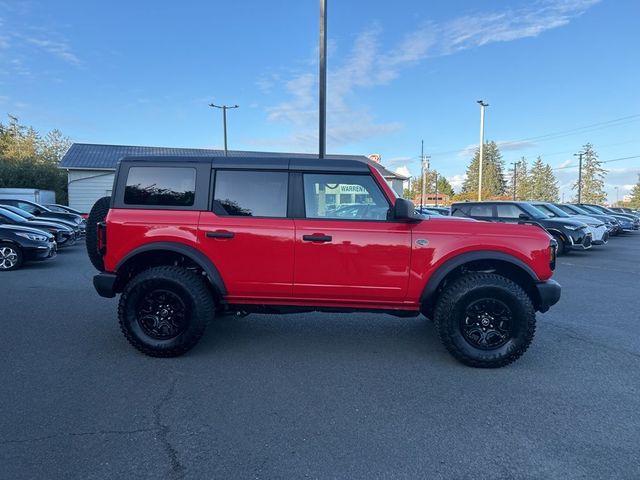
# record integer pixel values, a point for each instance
(346, 249)
(247, 234)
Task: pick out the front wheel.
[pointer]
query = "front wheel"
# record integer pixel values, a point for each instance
(10, 257)
(485, 320)
(562, 246)
(163, 311)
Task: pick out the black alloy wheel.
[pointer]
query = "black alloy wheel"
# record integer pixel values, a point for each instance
(487, 323)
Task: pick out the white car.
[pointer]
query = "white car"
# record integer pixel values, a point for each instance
(599, 233)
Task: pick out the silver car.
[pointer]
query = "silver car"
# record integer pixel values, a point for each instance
(598, 229)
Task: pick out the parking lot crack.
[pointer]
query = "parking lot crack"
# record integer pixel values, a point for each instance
(163, 430)
(573, 335)
(76, 434)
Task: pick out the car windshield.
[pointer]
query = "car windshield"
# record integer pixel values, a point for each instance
(552, 210)
(578, 210)
(533, 212)
(10, 215)
(18, 211)
(589, 209)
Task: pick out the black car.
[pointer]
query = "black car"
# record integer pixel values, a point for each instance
(625, 210)
(26, 215)
(569, 233)
(63, 234)
(42, 211)
(19, 244)
(627, 221)
(613, 225)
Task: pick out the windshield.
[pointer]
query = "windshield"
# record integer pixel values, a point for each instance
(533, 212)
(589, 209)
(18, 211)
(10, 215)
(552, 210)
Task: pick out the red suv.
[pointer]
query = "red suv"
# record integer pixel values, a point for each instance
(185, 239)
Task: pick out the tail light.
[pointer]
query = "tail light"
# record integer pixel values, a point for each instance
(553, 250)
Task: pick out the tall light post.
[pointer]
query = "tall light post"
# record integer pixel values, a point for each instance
(617, 198)
(515, 179)
(482, 107)
(579, 155)
(224, 109)
(322, 127)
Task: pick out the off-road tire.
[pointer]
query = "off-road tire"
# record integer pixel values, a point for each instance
(97, 214)
(562, 246)
(18, 253)
(450, 314)
(192, 290)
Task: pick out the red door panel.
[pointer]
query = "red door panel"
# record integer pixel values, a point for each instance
(351, 260)
(253, 255)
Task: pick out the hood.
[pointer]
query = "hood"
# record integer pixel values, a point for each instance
(591, 221)
(18, 228)
(564, 221)
(53, 217)
(45, 224)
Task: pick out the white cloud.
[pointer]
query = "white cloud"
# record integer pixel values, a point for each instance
(456, 181)
(59, 49)
(404, 171)
(368, 65)
(628, 187)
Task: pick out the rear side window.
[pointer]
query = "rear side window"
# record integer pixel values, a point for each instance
(508, 211)
(460, 211)
(481, 210)
(246, 193)
(163, 186)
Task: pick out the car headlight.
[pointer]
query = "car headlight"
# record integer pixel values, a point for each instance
(572, 227)
(32, 236)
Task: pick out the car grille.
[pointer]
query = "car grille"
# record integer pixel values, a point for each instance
(587, 240)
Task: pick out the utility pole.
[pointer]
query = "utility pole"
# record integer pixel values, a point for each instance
(617, 200)
(482, 107)
(579, 155)
(224, 109)
(436, 189)
(424, 159)
(515, 179)
(322, 130)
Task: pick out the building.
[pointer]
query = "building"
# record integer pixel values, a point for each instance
(90, 167)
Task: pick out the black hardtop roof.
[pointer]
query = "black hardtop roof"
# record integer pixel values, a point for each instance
(261, 162)
(476, 202)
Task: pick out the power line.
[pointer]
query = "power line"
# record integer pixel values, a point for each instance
(602, 161)
(564, 133)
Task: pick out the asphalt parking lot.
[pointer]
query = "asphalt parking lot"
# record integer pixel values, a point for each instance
(319, 395)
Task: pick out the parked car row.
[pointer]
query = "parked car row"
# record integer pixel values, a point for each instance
(31, 231)
(574, 226)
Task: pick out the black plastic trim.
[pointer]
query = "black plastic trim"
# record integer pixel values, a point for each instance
(549, 293)
(198, 257)
(104, 284)
(439, 275)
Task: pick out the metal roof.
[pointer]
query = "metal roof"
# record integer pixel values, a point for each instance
(88, 156)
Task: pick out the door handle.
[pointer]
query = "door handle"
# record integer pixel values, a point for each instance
(316, 238)
(220, 234)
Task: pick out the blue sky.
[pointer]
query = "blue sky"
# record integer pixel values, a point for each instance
(143, 73)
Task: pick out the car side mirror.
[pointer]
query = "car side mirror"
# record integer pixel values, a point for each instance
(524, 216)
(405, 210)
(37, 211)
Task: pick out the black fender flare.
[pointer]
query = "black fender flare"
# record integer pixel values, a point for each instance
(563, 236)
(450, 265)
(190, 252)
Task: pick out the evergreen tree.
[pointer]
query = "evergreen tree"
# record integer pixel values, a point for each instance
(544, 186)
(635, 195)
(523, 188)
(593, 176)
(493, 181)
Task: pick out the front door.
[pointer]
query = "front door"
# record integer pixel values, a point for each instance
(346, 249)
(248, 236)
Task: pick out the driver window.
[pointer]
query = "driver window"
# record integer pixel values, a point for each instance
(355, 197)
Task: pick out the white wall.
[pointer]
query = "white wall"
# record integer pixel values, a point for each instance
(87, 186)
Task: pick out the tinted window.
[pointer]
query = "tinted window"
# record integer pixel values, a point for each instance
(250, 193)
(460, 211)
(508, 211)
(357, 197)
(27, 207)
(167, 186)
(481, 210)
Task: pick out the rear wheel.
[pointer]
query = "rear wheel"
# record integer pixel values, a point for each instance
(163, 311)
(98, 214)
(485, 320)
(10, 257)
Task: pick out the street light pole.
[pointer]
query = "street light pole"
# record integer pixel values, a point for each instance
(322, 127)
(436, 188)
(579, 155)
(224, 109)
(617, 200)
(482, 107)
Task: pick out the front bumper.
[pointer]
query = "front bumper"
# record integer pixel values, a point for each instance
(104, 284)
(43, 251)
(548, 294)
(580, 240)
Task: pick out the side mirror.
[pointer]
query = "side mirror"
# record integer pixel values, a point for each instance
(524, 216)
(405, 210)
(37, 212)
